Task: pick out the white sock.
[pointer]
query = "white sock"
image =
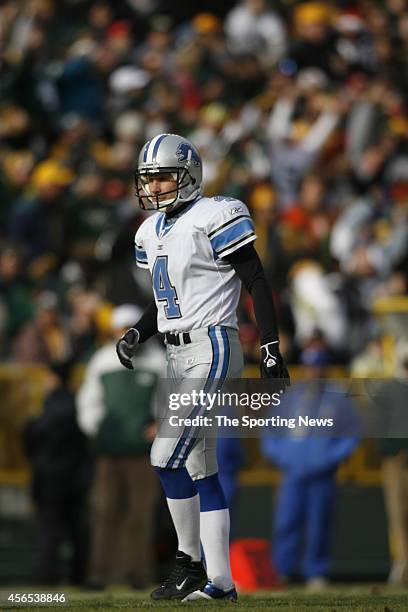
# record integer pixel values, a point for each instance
(214, 533)
(186, 519)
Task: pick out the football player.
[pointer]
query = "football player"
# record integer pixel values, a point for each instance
(198, 251)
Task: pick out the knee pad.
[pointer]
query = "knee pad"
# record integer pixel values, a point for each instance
(211, 494)
(176, 483)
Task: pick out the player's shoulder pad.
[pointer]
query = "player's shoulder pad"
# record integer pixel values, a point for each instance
(223, 209)
(230, 226)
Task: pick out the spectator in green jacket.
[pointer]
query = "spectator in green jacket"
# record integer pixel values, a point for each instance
(124, 486)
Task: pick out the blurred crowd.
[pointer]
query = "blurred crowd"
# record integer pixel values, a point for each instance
(297, 108)
(300, 109)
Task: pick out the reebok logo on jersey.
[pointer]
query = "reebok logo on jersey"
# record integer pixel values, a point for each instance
(236, 210)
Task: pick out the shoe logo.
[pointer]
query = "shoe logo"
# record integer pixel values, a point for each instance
(180, 586)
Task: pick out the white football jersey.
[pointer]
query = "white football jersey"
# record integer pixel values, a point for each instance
(193, 285)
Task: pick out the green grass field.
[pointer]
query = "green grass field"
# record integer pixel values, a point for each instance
(339, 598)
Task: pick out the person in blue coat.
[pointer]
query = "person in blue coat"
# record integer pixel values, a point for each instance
(231, 458)
(309, 458)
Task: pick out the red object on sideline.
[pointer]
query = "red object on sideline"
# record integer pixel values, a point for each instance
(251, 565)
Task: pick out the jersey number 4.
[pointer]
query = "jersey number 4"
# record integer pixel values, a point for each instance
(163, 289)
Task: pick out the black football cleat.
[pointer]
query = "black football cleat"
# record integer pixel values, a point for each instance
(186, 576)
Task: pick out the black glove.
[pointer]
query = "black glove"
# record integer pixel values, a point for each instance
(272, 364)
(126, 347)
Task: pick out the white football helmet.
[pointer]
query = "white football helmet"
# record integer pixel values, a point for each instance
(168, 153)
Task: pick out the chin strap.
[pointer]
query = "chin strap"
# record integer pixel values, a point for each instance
(178, 208)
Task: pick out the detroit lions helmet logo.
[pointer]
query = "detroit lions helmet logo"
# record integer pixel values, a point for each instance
(185, 153)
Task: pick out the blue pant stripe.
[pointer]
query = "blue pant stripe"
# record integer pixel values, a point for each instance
(224, 370)
(207, 388)
(181, 442)
(225, 365)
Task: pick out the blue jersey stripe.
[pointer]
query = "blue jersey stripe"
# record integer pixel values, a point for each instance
(141, 254)
(231, 234)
